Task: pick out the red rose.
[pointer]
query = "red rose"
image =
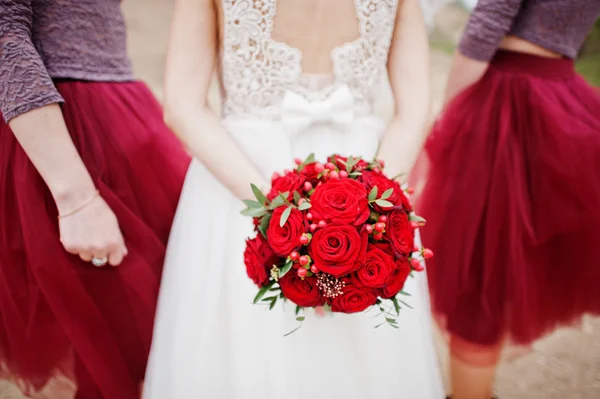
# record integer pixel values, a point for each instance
(341, 163)
(376, 268)
(338, 249)
(303, 292)
(341, 201)
(400, 233)
(259, 258)
(309, 172)
(285, 239)
(396, 280)
(353, 300)
(374, 179)
(289, 183)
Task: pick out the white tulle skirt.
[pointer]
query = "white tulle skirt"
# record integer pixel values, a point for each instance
(212, 342)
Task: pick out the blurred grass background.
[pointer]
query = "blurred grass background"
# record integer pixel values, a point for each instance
(588, 62)
(589, 58)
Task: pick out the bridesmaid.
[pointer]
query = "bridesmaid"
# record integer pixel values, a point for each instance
(90, 178)
(513, 192)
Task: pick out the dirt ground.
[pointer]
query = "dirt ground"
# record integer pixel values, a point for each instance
(565, 365)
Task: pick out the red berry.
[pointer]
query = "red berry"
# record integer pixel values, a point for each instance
(298, 161)
(330, 166)
(382, 219)
(379, 227)
(322, 224)
(301, 201)
(303, 260)
(414, 225)
(302, 272)
(410, 190)
(378, 236)
(294, 256)
(313, 228)
(334, 175)
(427, 253)
(369, 228)
(314, 269)
(304, 240)
(376, 170)
(307, 186)
(382, 163)
(416, 265)
(275, 176)
(343, 174)
(309, 216)
(319, 167)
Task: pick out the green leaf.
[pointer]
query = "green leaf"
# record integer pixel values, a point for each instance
(269, 299)
(351, 163)
(355, 174)
(387, 193)
(405, 304)
(398, 176)
(384, 203)
(254, 212)
(277, 202)
(293, 331)
(264, 224)
(309, 159)
(284, 196)
(404, 293)
(373, 194)
(285, 215)
(297, 196)
(416, 218)
(286, 268)
(260, 197)
(263, 291)
(304, 206)
(300, 318)
(396, 305)
(298, 309)
(252, 204)
(273, 302)
(390, 320)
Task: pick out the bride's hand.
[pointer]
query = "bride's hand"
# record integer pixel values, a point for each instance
(91, 230)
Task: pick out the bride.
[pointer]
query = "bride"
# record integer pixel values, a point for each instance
(297, 77)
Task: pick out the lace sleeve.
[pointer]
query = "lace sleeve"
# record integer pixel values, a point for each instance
(489, 23)
(24, 81)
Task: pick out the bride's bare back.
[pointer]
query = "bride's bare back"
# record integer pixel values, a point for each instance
(269, 48)
(315, 27)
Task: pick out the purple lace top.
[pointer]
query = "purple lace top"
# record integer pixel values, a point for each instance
(557, 25)
(45, 39)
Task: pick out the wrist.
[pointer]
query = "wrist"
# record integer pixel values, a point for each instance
(71, 196)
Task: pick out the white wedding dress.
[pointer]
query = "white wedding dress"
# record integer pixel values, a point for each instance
(210, 340)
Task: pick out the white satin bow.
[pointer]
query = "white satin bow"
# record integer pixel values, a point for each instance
(297, 113)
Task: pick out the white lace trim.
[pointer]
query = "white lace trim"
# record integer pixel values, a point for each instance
(257, 70)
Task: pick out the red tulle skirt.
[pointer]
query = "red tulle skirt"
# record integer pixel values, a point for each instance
(512, 199)
(61, 318)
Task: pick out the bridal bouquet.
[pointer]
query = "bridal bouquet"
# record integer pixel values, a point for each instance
(339, 234)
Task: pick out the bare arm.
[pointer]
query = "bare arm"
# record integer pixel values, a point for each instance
(29, 103)
(408, 68)
(192, 56)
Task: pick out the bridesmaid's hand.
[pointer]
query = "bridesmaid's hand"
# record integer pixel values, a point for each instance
(92, 231)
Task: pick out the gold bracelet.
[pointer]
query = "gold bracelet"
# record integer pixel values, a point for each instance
(80, 207)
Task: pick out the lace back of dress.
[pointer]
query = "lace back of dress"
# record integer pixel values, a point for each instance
(257, 71)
